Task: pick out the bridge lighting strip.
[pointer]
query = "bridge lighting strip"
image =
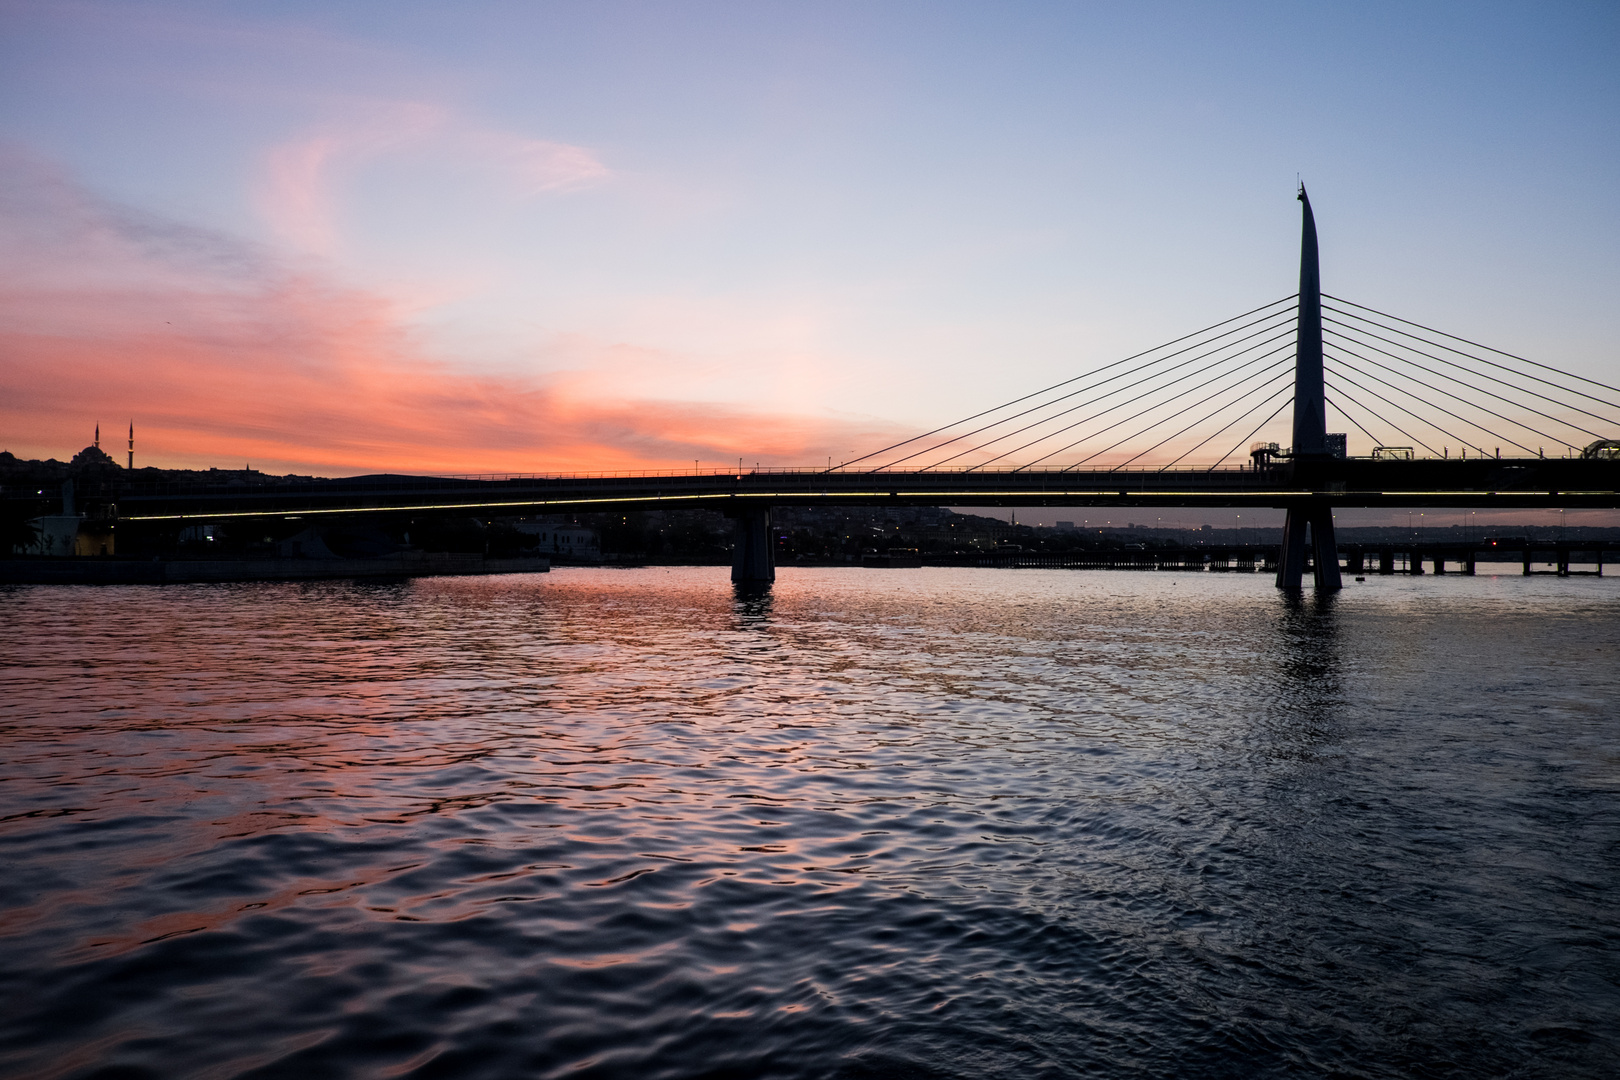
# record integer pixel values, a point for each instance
(940, 496)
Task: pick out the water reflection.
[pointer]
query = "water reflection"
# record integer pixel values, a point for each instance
(1306, 653)
(935, 823)
(752, 601)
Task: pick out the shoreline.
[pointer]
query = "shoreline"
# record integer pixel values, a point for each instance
(95, 571)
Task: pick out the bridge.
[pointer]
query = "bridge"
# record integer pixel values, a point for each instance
(1437, 409)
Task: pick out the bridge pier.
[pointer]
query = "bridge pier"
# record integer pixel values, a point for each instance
(753, 550)
(1318, 518)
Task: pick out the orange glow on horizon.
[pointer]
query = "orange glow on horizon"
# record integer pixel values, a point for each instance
(224, 353)
(312, 380)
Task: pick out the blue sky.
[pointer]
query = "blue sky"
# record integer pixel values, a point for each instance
(648, 233)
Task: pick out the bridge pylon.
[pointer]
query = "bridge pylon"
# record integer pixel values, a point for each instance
(753, 550)
(1310, 428)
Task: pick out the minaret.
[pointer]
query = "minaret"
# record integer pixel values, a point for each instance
(98, 436)
(132, 446)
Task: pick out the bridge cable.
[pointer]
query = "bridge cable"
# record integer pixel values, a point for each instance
(1480, 390)
(1172, 416)
(1383, 420)
(1270, 368)
(1415, 415)
(1422, 419)
(1477, 389)
(1116, 406)
(1140, 413)
(1477, 345)
(1081, 390)
(1478, 359)
(1047, 419)
(1130, 401)
(1241, 416)
(1376, 441)
(1474, 424)
(1066, 382)
(1207, 417)
(1251, 434)
(1462, 400)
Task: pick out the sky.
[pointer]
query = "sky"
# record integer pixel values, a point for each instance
(341, 238)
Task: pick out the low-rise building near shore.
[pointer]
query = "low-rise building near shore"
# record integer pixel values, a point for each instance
(576, 543)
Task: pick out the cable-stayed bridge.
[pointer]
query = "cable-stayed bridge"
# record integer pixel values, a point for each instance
(1260, 410)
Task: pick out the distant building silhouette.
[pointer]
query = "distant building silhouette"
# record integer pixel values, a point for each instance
(573, 541)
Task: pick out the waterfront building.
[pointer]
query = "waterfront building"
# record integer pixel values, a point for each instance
(575, 542)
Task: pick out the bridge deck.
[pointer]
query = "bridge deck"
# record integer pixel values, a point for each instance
(1524, 482)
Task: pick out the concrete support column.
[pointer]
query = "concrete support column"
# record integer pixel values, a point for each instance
(1468, 563)
(1327, 550)
(753, 551)
(1316, 519)
(1386, 561)
(1291, 560)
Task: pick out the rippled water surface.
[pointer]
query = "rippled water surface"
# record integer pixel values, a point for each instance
(876, 823)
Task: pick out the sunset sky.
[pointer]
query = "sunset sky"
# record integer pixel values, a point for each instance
(340, 238)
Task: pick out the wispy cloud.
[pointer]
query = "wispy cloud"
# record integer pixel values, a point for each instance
(303, 178)
(221, 353)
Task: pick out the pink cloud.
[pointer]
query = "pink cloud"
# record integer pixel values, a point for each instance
(534, 166)
(300, 192)
(297, 194)
(221, 354)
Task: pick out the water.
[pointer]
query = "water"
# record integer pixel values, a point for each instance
(878, 823)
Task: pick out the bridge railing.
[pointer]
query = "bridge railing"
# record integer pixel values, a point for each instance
(388, 481)
(952, 470)
(1241, 474)
(799, 471)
